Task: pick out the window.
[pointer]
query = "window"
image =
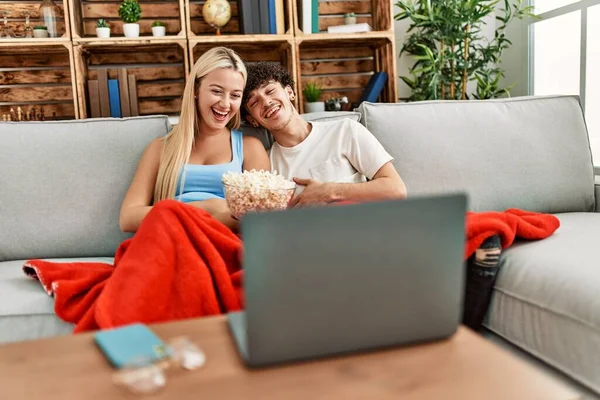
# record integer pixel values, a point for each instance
(565, 51)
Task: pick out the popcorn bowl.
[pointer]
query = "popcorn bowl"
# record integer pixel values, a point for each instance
(244, 199)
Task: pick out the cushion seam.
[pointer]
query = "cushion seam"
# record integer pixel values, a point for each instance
(553, 363)
(549, 310)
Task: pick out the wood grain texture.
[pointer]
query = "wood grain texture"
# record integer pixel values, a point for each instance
(149, 106)
(325, 22)
(147, 73)
(17, 11)
(153, 89)
(319, 53)
(62, 110)
(35, 93)
(59, 75)
(111, 10)
(200, 26)
(344, 7)
(336, 67)
(351, 81)
(196, 9)
(135, 55)
(465, 367)
(172, 26)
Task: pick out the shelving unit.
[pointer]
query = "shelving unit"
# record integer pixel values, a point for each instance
(16, 20)
(160, 68)
(85, 14)
(39, 75)
(58, 68)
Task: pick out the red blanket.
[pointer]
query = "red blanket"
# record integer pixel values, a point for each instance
(182, 263)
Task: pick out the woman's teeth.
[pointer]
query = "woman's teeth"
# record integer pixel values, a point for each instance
(220, 115)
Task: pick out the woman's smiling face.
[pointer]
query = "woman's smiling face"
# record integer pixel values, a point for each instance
(220, 97)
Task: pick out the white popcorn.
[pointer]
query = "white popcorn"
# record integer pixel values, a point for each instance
(254, 191)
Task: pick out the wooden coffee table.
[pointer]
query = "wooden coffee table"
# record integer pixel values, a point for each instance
(463, 367)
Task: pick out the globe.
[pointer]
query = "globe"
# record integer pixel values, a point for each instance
(216, 13)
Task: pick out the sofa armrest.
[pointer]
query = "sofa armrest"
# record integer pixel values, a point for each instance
(597, 192)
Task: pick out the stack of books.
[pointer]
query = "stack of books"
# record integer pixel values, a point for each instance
(262, 16)
(113, 97)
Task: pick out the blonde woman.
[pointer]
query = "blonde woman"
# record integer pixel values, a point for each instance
(187, 164)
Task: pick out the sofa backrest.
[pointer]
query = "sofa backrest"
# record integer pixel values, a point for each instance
(62, 184)
(526, 152)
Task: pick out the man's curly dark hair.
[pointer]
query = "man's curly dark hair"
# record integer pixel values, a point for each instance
(262, 72)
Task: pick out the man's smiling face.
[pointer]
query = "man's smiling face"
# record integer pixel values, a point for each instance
(270, 106)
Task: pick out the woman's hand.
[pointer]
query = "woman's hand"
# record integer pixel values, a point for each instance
(219, 209)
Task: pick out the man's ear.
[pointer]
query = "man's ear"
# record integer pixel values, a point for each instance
(251, 120)
(290, 92)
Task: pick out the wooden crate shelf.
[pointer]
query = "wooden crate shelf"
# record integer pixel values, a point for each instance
(160, 70)
(197, 26)
(344, 67)
(16, 19)
(85, 14)
(377, 13)
(281, 51)
(38, 76)
(55, 71)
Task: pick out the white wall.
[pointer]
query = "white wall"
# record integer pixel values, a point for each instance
(514, 59)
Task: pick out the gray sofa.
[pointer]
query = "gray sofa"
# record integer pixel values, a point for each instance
(62, 184)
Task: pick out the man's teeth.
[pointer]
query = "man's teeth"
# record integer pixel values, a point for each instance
(271, 111)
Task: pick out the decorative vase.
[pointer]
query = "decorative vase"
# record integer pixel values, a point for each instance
(317, 106)
(349, 20)
(40, 33)
(159, 31)
(131, 30)
(48, 14)
(103, 32)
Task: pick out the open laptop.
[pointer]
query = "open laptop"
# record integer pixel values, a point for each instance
(340, 279)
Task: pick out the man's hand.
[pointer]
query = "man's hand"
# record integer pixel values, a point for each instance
(315, 192)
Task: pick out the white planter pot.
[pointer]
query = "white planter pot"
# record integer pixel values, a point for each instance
(159, 31)
(40, 33)
(103, 32)
(317, 106)
(131, 30)
(349, 20)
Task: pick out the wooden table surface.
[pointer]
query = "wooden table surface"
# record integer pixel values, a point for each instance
(463, 367)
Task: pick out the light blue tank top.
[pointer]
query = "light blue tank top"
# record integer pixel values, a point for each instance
(203, 182)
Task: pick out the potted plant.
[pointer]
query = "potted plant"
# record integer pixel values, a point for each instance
(158, 28)
(130, 12)
(40, 31)
(312, 98)
(349, 18)
(445, 42)
(102, 29)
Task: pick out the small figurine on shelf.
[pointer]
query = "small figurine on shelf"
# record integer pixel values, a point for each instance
(216, 13)
(28, 31)
(158, 28)
(102, 29)
(130, 12)
(49, 12)
(40, 31)
(349, 18)
(7, 31)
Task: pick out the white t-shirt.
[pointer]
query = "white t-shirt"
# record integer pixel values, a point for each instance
(334, 151)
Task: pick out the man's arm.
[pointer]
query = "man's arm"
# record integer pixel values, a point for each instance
(385, 185)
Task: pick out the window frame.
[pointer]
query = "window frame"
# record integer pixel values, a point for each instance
(582, 6)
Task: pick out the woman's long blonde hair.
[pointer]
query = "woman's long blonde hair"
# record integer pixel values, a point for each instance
(178, 144)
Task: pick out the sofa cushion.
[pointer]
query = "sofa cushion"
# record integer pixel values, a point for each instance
(529, 152)
(26, 311)
(546, 298)
(62, 184)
